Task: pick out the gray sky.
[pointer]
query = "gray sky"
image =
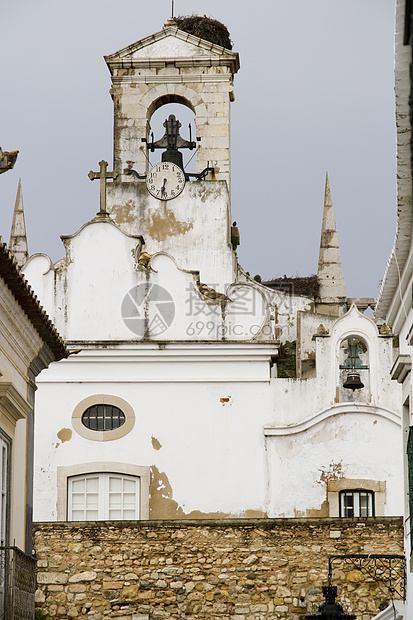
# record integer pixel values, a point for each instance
(314, 93)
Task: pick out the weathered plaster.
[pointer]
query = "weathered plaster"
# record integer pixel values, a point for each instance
(165, 224)
(65, 434)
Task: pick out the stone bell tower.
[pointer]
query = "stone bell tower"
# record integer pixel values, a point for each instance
(172, 66)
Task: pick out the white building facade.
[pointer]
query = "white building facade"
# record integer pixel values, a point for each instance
(395, 299)
(177, 404)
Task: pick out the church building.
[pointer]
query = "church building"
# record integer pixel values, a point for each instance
(194, 392)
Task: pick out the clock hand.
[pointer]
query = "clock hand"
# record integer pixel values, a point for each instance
(163, 191)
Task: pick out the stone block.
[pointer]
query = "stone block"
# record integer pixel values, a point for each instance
(85, 576)
(130, 592)
(77, 587)
(39, 596)
(355, 576)
(220, 142)
(46, 578)
(80, 598)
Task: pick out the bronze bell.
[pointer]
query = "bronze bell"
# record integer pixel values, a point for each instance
(353, 381)
(173, 156)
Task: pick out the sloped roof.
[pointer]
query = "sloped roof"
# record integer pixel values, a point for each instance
(171, 43)
(397, 261)
(307, 286)
(29, 303)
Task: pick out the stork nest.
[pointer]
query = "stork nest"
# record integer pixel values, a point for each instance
(307, 286)
(205, 28)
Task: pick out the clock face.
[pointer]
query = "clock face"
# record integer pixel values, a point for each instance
(165, 181)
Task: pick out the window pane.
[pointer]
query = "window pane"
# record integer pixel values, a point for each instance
(103, 417)
(348, 505)
(91, 500)
(129, 499)
(78, 500)
(3, 520)
(364, 505)
(78, 486)
(3, 468)
(115, 514)
(92, 485)
(115, 484)
(129, 515)
(129, 486)
(78, 515)
(92, 515)
(115, 500)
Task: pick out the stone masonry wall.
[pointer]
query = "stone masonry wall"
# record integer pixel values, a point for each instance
(239, 569)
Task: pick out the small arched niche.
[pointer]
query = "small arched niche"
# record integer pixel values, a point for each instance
(353, 355)
(158, 112)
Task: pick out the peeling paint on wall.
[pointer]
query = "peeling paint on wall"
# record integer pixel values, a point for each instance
(162, 506)
(156, 444)
(334, 472)
(166, 224)
(65, 434)
(124, 214)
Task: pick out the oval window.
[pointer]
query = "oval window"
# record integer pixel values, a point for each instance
(103, 417)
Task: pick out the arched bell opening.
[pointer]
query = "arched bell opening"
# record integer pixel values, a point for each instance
(171, 134)
(354, 370)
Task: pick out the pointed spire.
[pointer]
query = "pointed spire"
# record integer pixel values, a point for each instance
(330, 271)
(18, 239)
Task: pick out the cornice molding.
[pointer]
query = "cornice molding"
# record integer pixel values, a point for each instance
(12, 403)
(324, 414)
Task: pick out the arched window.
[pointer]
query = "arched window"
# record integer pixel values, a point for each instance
(186, 117)
(103, 496)
(354, 364)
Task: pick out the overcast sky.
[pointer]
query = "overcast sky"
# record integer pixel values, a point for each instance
(314, 93)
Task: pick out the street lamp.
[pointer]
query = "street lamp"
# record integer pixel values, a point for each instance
(330, 610)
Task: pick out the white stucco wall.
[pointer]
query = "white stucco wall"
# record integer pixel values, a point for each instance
(220, 433)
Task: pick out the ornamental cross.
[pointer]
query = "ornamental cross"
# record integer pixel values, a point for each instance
(103, 174)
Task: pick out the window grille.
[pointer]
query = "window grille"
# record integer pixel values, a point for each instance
(103, 417)
(356, 503)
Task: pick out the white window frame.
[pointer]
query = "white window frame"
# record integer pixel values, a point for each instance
(102, 509)
(5, 446)
(98, 467)
(4, 489)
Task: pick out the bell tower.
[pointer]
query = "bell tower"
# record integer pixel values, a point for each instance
(172, 66)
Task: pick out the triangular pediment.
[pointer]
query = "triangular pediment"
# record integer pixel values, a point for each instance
(173, 43)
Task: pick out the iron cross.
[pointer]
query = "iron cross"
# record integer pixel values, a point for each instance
(102, 175)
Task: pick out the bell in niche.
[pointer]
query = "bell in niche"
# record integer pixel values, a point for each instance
(353, 363)
(353, 381)
(172, 141)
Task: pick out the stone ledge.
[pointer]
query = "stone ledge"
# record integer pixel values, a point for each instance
(230, 523)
